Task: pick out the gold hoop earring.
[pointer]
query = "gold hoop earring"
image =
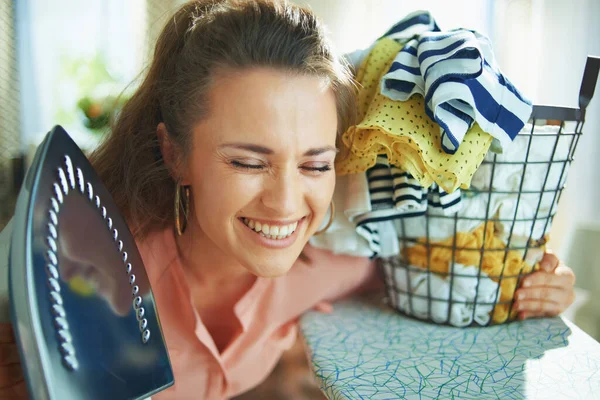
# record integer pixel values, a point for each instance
(331, 216)
(179, 226)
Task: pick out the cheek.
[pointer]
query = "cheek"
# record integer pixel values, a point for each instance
(219, 197)
(320, 193)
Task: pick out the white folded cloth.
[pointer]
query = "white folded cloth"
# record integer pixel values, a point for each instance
(534, 172)
(474, 303)
(545, 142)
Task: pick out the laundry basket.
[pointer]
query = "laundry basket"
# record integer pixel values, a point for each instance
(462, 269)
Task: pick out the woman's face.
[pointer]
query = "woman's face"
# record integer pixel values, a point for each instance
(261, 167)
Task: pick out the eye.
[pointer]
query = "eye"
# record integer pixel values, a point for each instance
(241, 165)
(317, 168)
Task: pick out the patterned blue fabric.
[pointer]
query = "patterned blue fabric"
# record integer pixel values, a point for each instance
(365, 350)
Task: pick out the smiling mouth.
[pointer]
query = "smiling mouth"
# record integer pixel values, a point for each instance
(275, 232)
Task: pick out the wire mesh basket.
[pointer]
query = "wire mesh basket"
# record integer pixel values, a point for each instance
(463, 269)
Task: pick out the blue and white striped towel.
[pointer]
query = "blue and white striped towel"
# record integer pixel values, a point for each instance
(456, 72)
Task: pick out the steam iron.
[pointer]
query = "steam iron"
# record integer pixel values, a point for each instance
(82, 308)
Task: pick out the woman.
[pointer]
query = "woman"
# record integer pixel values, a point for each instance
(236, 124)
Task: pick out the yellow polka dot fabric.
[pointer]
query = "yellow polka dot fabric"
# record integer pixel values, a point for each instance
(402, 131)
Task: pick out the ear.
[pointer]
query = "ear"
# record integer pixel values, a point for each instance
(169, 152)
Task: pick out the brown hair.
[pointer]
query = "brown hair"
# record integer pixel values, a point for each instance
(202, 38)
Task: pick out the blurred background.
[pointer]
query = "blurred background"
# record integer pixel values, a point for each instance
(67, 61)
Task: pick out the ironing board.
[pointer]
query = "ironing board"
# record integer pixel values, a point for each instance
(366, 350)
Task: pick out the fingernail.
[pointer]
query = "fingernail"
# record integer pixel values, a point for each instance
(520, 296)
(526, 284)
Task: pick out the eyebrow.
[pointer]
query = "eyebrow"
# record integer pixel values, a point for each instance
(255, 148)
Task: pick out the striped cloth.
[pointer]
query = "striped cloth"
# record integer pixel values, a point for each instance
(396, 194)
(456, 73)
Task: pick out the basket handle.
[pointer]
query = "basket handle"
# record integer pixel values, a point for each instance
(588, 83)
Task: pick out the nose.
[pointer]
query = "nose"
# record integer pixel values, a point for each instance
(283, 194)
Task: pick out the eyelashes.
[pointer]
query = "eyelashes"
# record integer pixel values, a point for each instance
(241, 165)
(259, 167)
(324, 168)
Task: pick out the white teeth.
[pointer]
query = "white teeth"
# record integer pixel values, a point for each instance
(271, 232)
(283, 231)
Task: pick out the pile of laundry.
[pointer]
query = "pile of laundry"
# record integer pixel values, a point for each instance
(441, 168)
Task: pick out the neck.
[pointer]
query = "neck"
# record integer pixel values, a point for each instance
(206, 264)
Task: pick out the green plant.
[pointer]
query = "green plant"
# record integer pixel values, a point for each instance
(91, 94)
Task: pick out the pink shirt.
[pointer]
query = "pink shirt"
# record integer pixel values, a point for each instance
(268, 313)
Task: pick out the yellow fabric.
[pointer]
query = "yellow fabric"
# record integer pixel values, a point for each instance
(493, 261)
(402, 131)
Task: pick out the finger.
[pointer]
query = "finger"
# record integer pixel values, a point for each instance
(538, 307)
(14, 392)
(563, 270)
(548, 293)
(6, 333)
(532, 300)
(324, 307)
(549, 261)
(10, 375)
(564, 280)
(9, 354)
(522, 315)
(528, 315)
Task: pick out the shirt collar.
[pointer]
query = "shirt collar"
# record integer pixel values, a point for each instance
(247, 306)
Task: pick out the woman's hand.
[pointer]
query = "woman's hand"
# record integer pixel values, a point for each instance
(12, 382)
(547, 292)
